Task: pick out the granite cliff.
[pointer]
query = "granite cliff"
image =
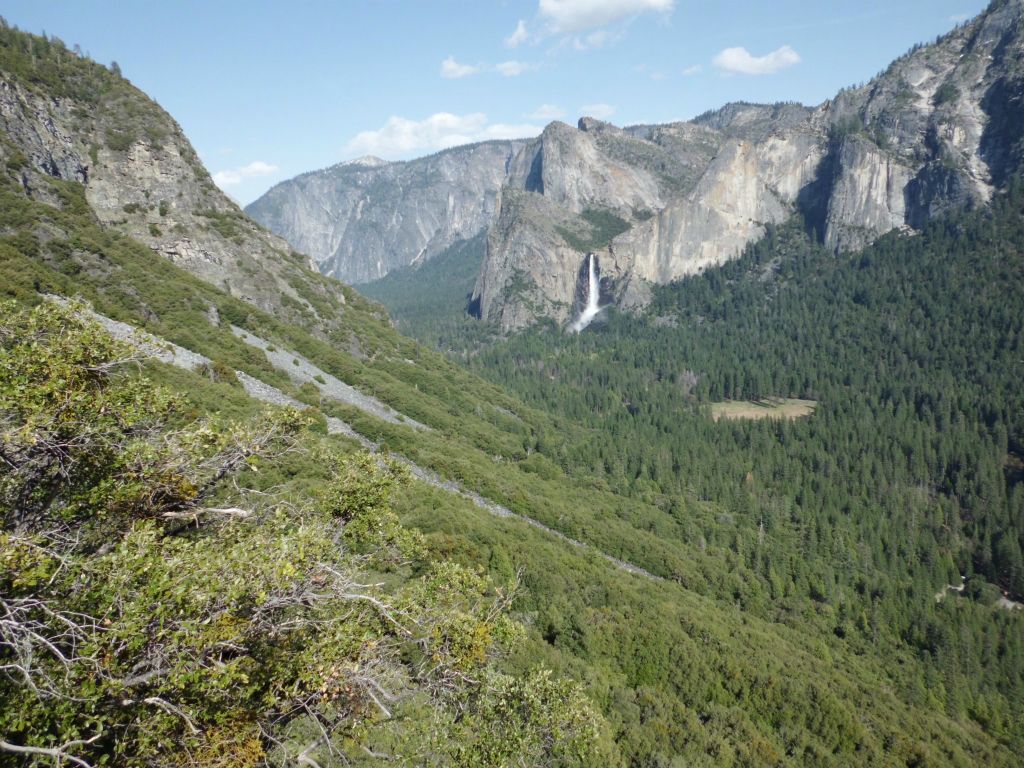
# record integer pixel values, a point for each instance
(364, 218)
(941, 128)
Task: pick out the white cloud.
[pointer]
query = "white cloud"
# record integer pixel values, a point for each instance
(400, 136)
(600, 111)
(513, 68)
(452, 70)
(654, 74)
(956, 18)
(547, 112)
(696, 69)
(518, 37)
(597, 39)
(233, 176)
(571, 16)
(739, 61)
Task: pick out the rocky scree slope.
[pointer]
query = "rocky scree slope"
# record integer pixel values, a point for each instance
(364, 218)
(70, 118)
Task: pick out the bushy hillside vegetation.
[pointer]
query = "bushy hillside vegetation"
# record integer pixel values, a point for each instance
(153, 617)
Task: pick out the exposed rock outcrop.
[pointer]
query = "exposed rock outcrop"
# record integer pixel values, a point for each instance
(569, 167)
(143, 179)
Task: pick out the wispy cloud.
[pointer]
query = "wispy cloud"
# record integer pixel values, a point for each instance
(739, 61)
(575, 16)
(513, 68)
(597, 39)
(956, 18)
(234, 176)
(401, 137)
(696, 69)
(584, 25)
(452, 70)
(547, 112)
(654, 74)
(600, 111)
(518, 37)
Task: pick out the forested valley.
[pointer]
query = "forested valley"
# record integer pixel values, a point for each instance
(853, 520)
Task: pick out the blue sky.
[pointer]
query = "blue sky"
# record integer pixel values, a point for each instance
(269, 90)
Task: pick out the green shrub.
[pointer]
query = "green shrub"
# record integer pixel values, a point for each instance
(17, 160)
(119, 141)
(945, 93)
(601, 226)
(160, 617)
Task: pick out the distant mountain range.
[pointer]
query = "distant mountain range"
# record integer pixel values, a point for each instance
(939, 129)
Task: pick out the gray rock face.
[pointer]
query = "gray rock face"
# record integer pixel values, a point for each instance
(143, 179)
(41, 135)
(941, 128)
(361, 219)
(570, 167)
(867, 196)
(744, 187)
(690, 197)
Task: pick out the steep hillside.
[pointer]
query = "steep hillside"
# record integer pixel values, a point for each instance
(72, 119)
(362, 219)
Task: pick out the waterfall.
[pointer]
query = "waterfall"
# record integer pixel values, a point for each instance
(591, 308)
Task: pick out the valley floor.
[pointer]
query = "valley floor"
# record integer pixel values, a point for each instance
(766, 408)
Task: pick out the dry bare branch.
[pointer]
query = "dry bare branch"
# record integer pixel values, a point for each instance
(59, 754)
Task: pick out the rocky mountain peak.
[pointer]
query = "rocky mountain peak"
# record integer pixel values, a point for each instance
(366, 161)
(568, 166)
(593, 125)
(78, 121)
(940, 129)
(361, 219)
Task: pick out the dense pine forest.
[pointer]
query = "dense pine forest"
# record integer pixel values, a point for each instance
(906, 476)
